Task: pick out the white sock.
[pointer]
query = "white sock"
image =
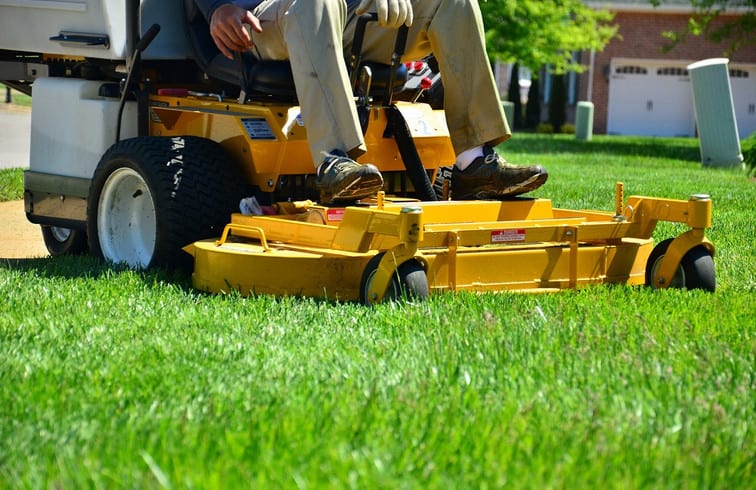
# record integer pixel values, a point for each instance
(465, 158)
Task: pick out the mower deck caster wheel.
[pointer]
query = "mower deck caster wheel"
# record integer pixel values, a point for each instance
(408, 282)
(696, 269)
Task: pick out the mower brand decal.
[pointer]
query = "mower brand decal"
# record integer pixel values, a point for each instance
(504, 236)
(335, 214)
(258, 129)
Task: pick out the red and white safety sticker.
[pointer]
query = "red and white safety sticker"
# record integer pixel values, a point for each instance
(335, 214)
(504, 236)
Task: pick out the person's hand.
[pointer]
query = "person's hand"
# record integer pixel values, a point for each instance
(391, 13)
(227, 28)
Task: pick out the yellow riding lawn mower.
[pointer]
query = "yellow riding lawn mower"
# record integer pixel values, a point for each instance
(150, 148)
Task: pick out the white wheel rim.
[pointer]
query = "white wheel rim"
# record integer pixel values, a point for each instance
(126, 222)
(60, 234)
(678, 281)
(390, 291)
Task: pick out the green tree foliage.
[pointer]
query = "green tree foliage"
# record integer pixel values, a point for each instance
(708, 20)
(537, 33)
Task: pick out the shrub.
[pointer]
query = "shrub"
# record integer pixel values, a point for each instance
(748, 147)
(567, 128)
(545, 128)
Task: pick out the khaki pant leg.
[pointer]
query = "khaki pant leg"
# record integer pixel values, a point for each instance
(453, 31)
(306, 32)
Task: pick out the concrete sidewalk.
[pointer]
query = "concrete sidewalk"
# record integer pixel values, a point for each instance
(19, 239)
(15, 134)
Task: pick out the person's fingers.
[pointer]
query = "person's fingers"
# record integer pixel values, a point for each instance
(234, 37)
(221, 44)
(253, 21)
(383, 12)
(227, 28)
(410, 16)
(394, 14)
(363, 6)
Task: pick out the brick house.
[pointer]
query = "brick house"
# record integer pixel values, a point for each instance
(639, 89)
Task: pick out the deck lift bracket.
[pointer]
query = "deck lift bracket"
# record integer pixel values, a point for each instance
(410, 234)
(695, 212)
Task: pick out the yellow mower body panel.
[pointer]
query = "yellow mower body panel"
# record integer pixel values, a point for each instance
(522, 245)
(270, 140)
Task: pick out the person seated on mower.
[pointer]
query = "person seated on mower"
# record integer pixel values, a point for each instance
(314, 36)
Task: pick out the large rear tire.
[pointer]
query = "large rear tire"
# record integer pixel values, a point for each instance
(150, 196)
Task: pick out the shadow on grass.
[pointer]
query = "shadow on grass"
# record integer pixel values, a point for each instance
(88, 267)
(673, 148)
(74, 267)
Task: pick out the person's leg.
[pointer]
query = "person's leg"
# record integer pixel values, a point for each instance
(309, 34)
(306, 33)
(453, 31)
(474, 111)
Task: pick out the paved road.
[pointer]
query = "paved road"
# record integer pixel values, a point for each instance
(15, 126)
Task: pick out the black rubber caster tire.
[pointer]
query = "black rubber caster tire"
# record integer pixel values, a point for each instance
(409, 282)
(696, 269)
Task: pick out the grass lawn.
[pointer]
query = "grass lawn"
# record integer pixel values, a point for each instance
(16, 97)
(120, 379)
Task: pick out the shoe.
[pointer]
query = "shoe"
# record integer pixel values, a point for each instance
(342, 179)
(490, 176)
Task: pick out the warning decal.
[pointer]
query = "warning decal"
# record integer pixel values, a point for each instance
(335, 214)
(503, 236)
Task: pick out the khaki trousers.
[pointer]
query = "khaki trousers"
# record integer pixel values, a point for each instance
(315, 34)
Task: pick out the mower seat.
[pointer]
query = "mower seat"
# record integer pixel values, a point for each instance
(262, 79)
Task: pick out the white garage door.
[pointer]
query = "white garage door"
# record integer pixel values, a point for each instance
(650, 98)
(743, 84)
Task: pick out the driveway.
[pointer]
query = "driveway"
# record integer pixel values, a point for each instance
(19, 239)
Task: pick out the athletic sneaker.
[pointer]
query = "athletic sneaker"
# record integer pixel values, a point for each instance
(342, 179)
(490, 176)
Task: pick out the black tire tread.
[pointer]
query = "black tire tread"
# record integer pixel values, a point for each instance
(76, 244)
(408, 282)
(697, 264)
(208, 191)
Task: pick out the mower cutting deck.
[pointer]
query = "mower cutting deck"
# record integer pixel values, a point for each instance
(389, 249)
